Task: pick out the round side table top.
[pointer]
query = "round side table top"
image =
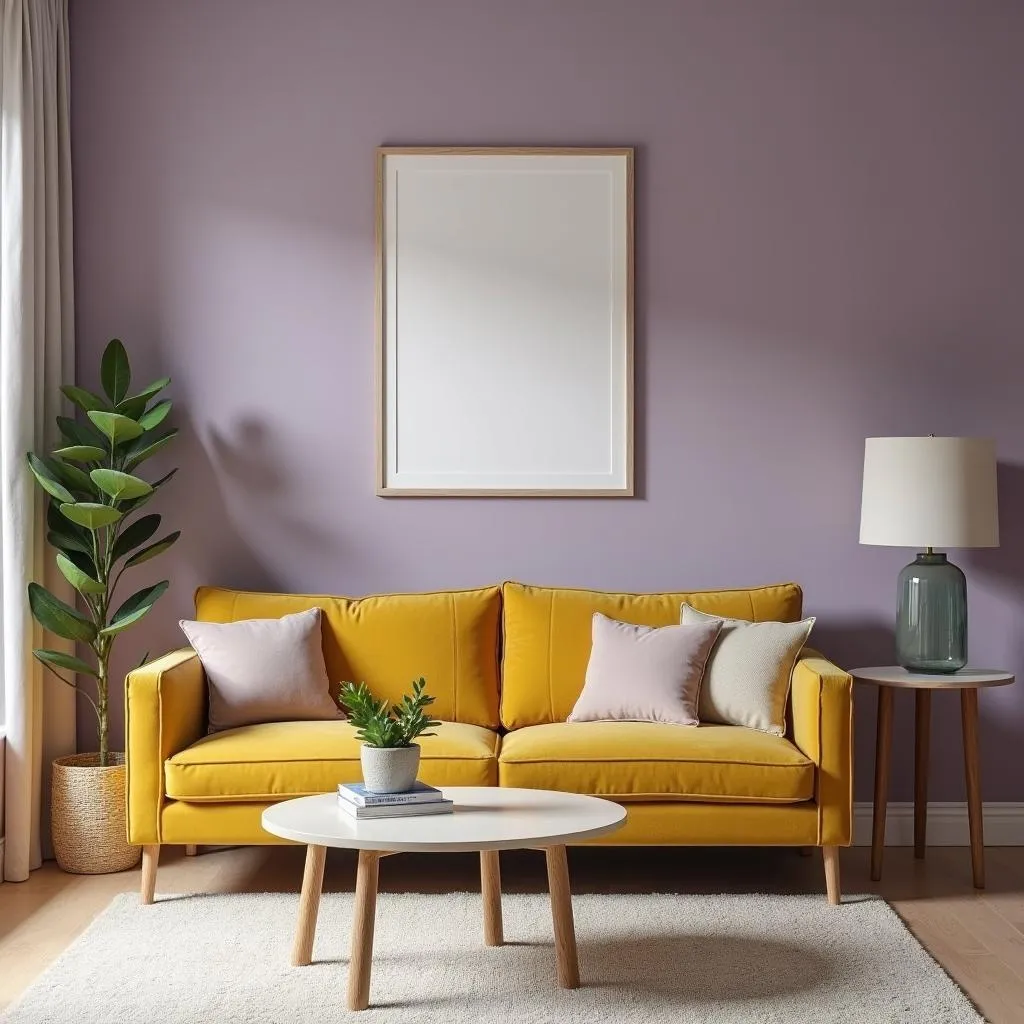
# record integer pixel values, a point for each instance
(966, 679)
(484, 818)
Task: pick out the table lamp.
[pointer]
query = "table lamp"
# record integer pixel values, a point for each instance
(927, 493)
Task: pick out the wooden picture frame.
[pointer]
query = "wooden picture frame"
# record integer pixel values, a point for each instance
(504, 308)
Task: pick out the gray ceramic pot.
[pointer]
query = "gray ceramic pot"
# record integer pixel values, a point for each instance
(389, 769)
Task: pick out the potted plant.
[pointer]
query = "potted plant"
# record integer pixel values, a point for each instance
(389, 757)
(95, 493)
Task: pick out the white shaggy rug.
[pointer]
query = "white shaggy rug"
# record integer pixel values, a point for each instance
(651, 958)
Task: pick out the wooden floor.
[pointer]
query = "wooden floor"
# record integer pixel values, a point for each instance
(977, 937)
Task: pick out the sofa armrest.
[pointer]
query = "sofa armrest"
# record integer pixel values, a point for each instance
(165, 712)
(822, 706)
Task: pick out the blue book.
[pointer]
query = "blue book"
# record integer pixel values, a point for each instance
(356, 793)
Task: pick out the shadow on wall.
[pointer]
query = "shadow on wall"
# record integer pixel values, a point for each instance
(856, 643)
(253, 469)
(1006, 562)
(211, 550)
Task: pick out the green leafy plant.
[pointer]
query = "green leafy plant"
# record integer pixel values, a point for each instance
(380, 724)
(95, 493)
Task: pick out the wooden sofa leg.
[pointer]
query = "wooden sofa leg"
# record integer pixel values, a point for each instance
(831, 857)
(150, 858)
(190, 849)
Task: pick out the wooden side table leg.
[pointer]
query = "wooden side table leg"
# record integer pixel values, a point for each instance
(309, 906)
(883, 749)
(969, 711)
(363, 916)
(561, 917)
(490, 889)
(922, 748)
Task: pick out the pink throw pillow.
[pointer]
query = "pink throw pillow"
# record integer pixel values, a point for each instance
(644, 674)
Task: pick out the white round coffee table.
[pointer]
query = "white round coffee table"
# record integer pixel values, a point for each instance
(485, 819)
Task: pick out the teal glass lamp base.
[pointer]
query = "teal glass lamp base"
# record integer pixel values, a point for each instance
(931, 615)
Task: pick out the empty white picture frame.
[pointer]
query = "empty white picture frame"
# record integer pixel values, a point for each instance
(504, 321)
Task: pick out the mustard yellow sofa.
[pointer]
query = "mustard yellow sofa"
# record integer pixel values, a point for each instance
(506, 665)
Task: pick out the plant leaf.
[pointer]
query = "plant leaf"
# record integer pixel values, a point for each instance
(79, 433)
(115, 427)
(69, 661)
(85, 400)
(156, 415)
(119, 486)
(81, 581)
(90, 514)
(115, 371)
(58, 523)
(143, 396)
(56, 616)
(131, 506)
(71, 476)
(134, 608)
(135, 534)
(83, 561)
(65, 542)
(65, 535)
(133, 408)
(81, 453)
(138, 455)
(157, 548)
(47, 480)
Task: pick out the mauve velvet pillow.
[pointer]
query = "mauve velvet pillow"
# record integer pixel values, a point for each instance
(643, 674)
(263, 670)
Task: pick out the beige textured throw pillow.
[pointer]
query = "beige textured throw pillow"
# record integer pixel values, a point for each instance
(749, 671)
(263, 670)
(643, 674)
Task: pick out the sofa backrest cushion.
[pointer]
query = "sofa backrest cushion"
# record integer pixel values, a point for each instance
(547, 636)
(450, 638)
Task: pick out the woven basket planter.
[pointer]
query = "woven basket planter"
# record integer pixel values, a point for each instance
(87, 815)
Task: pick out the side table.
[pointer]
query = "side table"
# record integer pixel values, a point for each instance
(968, 681)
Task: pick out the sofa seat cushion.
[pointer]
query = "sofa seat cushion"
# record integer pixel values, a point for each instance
(286, 759)
(653, 761)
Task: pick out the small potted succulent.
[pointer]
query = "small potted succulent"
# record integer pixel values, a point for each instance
(389, 757)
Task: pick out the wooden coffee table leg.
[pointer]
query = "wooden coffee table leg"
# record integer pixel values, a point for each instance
(561, 917)
(490, 889)
(362, 930)
(309, 905)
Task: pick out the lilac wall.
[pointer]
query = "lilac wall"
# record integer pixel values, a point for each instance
(830, 245)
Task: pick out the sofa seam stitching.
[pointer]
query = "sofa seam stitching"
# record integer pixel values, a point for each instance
(551, 626)
(455, 657)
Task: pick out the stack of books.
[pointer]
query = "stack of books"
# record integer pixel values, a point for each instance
(356, 800)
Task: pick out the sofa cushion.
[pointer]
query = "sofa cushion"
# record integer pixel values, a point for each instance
(547, 636)
(263, 670)
(450, 638)
(653, 761)
(286, 759)
(644, 673)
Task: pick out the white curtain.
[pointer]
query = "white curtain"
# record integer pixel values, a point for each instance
(36, 357)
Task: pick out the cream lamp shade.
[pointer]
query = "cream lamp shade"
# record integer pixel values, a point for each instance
(935, 492)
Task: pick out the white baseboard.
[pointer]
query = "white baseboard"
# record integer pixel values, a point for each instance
(947, 824)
